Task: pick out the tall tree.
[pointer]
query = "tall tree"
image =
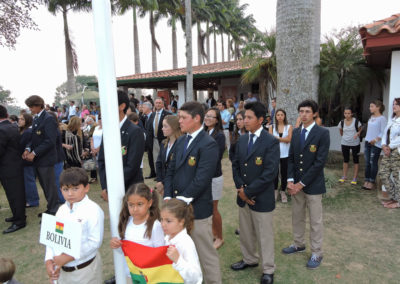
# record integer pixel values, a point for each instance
(259, 55)
(63, 6)
(189, 58)
(14, 16)
(298, 30)
(5, 96)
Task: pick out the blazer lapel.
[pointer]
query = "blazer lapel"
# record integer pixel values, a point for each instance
(258, 142)
(312, 133)
(191, 146)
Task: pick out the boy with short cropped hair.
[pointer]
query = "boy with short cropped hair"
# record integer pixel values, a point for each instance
(78, 207)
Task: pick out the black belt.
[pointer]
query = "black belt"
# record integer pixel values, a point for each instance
(80, 266)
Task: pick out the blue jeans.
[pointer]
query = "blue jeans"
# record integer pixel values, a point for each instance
(371, 154)
(58, 168)
(31, 193)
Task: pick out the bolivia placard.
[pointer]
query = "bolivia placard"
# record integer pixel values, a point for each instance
(64, 236)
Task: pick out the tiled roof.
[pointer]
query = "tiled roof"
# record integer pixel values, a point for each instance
(391, 25)
(220, 67)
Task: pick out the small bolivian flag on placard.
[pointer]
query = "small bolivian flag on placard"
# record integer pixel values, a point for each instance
(59, 227)
(149, 265)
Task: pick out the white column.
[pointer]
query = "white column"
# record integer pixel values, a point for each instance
(394, 87)
(181, 93)
(110, 120)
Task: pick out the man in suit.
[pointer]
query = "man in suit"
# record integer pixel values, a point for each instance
(132, 148)
(308, 152)
(189, 177)
(174, 102)
(11, 171)
(254, 168)
(155, 126)
(211, 101)
(42, 151)
(147, 111)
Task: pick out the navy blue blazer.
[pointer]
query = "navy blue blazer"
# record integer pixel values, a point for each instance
(257, 170)
(190, 175)
(44, 137)
(10, 153)
(160, 134)
(307, 164)
(163, 161)
(220, 139)
(132, 140)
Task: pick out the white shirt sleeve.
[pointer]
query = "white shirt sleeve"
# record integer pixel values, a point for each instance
(157, 235)
(94, 229)
(188, 264)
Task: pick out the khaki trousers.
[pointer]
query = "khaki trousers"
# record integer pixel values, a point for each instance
(389, 168)
(256, 229)
(314, 203)
(156, 150)
(208, 256)
(91, 274)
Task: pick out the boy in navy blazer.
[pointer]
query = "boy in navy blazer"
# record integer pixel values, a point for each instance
(189, 177)
(308, 152)
(255, 167)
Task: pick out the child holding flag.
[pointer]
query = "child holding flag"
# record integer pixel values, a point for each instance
(78, 207)
(139, 219)
(177, 221)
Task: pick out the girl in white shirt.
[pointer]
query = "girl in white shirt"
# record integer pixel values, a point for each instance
(177, 221)
(282, 130)
(138, 220)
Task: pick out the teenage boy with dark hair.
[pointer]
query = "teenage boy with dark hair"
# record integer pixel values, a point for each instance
(254, 168)
(42, 150)
(308, 152)
(11, 171)
(78, 207)
(189, 176)
(132, 148)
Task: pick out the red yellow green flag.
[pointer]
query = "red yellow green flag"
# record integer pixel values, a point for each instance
(149, 265)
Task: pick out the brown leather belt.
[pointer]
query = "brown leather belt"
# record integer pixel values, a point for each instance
(80, 266)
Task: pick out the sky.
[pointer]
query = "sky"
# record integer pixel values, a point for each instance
(37, 64)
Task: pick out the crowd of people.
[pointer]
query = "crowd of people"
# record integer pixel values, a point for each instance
(271, 159)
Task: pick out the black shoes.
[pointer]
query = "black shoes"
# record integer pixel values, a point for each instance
(13, 228)
(267, 278)
(110, 281)
(242, 265)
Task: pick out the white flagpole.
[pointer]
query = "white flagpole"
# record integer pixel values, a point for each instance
(110, 122)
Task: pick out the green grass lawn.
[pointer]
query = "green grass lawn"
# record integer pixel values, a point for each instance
(361, 239)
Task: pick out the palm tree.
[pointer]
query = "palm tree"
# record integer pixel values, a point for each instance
(260, 56)
(297, 52)
(188, 31)
(123, 6)
(343, 74)
(63, 6)
(200, 13)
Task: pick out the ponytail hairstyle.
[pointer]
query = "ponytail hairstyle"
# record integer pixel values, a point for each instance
(154, 211)
(181, 210)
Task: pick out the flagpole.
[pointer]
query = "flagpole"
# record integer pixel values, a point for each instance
(110, 122)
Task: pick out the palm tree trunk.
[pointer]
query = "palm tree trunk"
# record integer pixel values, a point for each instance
(263, 91)
(296, 62)
(136, 43)
(208, 42)
(189, 58)
(199, 59)
(71, 84)
(215, 46)
(174, 44)
(153, 44)
(229, 47)
(222, 47)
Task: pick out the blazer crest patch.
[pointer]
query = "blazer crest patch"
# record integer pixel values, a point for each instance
(38, 132)
(124, 150)
(313, 148)
(192, 161)
(259, 161)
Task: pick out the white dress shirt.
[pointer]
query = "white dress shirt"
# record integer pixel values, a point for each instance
(91, 216)
(188, 264)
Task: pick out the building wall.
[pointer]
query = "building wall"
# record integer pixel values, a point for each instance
(234, 82)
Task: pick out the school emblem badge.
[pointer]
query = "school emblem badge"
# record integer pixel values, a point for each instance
(258, 161)
(192, 161)
(313, 148)
(124, 150)
(38, 132)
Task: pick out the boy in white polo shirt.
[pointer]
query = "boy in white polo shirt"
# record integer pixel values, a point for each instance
(74, 184)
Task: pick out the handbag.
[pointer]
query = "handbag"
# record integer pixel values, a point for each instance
(89, 165)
